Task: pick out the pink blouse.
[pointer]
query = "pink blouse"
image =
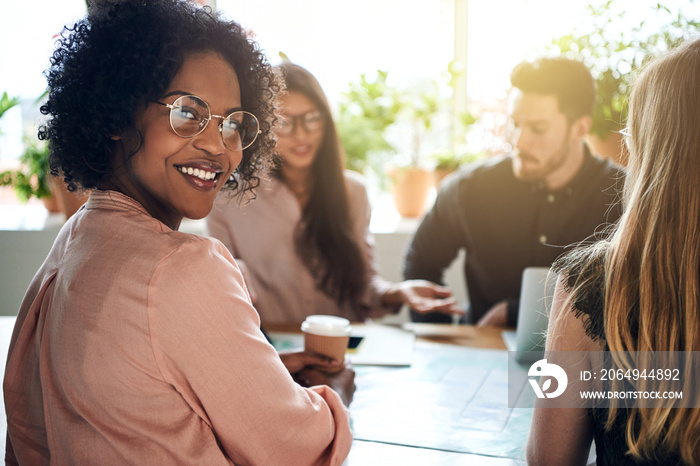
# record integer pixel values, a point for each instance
(136, 344)
(261, 235)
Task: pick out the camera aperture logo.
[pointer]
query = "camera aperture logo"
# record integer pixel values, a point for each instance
(542, 368)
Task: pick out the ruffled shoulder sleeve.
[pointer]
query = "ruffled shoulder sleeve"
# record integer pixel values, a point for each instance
(584, 273)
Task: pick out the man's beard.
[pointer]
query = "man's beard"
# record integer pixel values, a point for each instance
(541, 172)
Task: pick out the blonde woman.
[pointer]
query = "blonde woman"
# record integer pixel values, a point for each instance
(640, 289)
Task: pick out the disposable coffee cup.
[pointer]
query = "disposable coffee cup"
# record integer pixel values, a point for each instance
(326, 335)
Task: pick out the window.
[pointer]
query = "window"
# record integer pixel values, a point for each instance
(26, 42)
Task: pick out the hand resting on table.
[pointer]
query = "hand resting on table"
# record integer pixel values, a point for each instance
(310, 369)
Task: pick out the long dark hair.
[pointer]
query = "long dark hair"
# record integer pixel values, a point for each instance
(325, 236)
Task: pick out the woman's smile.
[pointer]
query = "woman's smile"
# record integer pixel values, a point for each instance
(203, 175)
(174, 176)
(302, 150)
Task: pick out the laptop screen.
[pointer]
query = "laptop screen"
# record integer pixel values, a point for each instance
(536, 292)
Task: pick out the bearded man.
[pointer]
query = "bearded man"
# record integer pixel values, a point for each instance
(524, 208)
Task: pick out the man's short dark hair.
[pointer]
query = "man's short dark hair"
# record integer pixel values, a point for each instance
(570, 81)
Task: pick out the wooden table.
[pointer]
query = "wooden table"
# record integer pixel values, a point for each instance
(428, 336)
(462, 335)
(367, 452)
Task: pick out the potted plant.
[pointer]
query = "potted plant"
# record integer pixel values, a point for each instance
(368, 110)
(32, 178)
(373, 113)
(438, 128)
(410, 178)
(614, 52)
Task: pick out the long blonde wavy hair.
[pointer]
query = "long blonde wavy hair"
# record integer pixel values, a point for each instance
(652, 260)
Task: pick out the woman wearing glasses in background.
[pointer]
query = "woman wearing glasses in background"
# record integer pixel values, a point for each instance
(304, 243)
(639, 290)
(135, 343)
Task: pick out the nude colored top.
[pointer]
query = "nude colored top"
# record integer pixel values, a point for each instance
(261, 235)
(136, 344)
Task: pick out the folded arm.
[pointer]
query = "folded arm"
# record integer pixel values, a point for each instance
(209, 346)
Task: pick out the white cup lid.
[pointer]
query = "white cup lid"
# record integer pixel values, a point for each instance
(332, 326)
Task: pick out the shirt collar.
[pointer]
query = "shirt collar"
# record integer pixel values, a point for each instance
(583, 174)
(113, 200)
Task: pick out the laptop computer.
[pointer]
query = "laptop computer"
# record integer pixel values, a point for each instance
(536, 294)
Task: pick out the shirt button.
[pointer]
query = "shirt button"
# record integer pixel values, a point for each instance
(550, 198)
(543, 239)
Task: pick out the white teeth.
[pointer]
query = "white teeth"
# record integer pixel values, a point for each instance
(196, 172)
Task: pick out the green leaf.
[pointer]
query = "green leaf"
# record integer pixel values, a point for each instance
(615, 50)
(7, 103)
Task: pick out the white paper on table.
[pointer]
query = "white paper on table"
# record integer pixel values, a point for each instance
(382, 345)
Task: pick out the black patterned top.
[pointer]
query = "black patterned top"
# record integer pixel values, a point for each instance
(588, 305)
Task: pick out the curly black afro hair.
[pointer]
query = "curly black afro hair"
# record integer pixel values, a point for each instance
(124, 55)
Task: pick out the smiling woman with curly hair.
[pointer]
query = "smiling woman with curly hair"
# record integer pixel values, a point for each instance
(102, 74)
(136, 343)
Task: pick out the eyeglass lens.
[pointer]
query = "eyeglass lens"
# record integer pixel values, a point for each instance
(189, 115)
(310, 121)
(626, 136)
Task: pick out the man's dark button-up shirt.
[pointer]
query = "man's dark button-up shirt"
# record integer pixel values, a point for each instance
(506, 224)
